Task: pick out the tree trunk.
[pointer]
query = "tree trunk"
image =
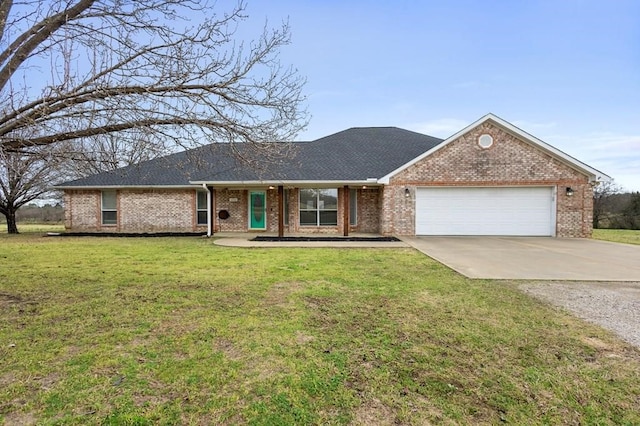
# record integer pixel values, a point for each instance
(12, 228)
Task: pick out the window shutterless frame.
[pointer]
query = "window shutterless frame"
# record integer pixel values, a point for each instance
(109, 207)
(201, 207)
(318, 207)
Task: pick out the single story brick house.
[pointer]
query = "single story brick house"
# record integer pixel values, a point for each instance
(490, 178)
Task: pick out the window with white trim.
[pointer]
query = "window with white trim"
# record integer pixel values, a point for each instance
(318, 207)
(109, 207)
(201, 207)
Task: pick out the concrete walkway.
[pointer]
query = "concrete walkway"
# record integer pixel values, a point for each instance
(534, 258)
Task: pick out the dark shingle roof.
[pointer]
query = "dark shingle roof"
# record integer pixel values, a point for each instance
(354, 154)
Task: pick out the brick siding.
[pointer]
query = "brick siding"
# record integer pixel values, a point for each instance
(140, 211)
(368, 206)
(235, 202)
(157, 210)
(82, 210)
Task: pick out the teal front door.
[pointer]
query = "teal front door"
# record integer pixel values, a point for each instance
(257, 210)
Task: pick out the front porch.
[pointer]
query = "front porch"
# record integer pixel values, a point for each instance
(290, 210)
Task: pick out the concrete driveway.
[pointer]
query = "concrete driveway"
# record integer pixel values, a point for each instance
(534, 258)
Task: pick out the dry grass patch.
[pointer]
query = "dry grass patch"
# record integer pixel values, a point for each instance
(374, 412)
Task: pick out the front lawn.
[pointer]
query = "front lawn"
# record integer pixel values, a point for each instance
(180, 331)
(628, 236)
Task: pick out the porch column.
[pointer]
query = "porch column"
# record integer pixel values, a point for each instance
(280, 211)
(212, 208)
(209, 215)
(345, 211)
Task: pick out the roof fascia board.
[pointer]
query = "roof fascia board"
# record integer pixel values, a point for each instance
(308, 183)
(244, 184)
(594, 174)
(124, 187)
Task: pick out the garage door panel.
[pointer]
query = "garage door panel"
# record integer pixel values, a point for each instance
(484, 211)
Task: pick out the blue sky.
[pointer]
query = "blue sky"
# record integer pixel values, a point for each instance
(566, 71)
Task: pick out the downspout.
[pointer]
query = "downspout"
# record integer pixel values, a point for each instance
(204, 185)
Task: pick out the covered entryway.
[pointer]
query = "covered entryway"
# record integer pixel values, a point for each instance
(513, 211)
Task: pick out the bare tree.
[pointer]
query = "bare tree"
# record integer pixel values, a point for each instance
(113, 82)
(174, 70)
(108, 152)
(603, 195)
(24, 177)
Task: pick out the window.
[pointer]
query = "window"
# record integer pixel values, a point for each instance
(109, 208)
(485, 141)
(201, 208)
(353, 207)
(318, 207)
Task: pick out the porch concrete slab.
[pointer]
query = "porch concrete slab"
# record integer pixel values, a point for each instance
(533, 258)
(244, 240)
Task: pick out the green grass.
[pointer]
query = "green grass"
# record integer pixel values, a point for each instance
(627, 236)
(28, 228)
(180, 331)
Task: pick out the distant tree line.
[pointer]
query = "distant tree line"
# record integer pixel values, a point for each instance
(615, 209)
(33, 213)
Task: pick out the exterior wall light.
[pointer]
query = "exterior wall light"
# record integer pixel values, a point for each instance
(407, 192)
(570, 191)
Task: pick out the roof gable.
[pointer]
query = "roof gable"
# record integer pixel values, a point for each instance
(594, 174)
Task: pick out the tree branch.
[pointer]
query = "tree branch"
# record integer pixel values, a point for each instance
(16, 54)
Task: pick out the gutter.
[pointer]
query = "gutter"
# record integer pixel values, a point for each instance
(299, 183)
(62, 187)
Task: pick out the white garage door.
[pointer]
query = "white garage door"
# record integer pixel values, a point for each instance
(524, 211)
